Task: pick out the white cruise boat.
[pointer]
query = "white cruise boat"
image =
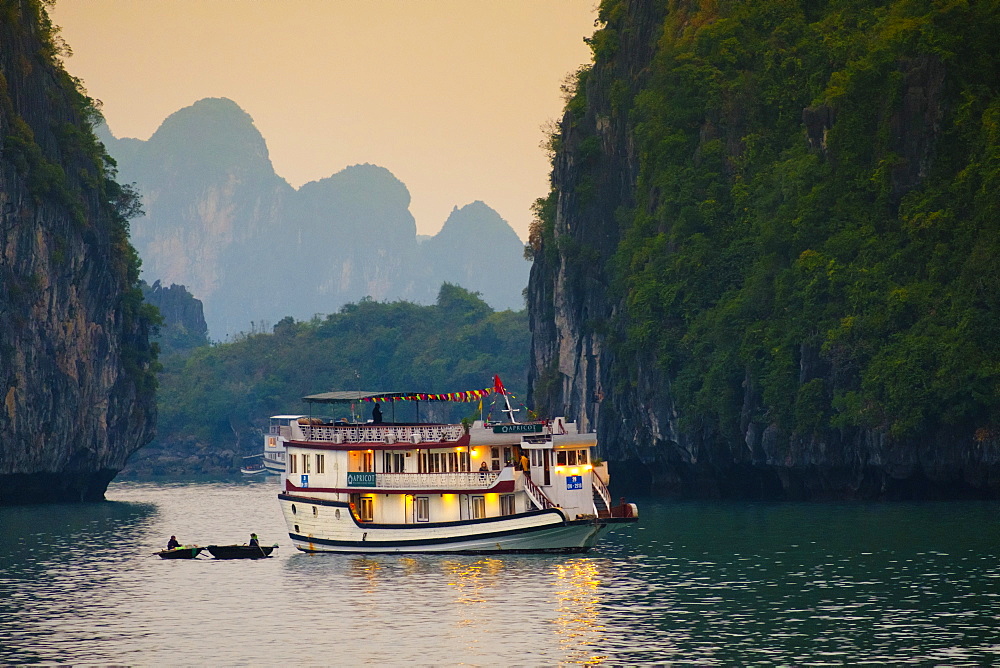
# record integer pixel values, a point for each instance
(278, 432)
(427, 487)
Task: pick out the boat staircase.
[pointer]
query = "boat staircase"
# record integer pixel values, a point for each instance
(536, 495)
(602, 496)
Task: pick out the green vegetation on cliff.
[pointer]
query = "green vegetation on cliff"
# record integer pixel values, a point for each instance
(215, 401)
(77, 370)
(813, 235)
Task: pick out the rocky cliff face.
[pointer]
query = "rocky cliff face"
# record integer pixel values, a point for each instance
(478, 250)
(254, 250)
(621, 173)
(75, 361)
(182, 325)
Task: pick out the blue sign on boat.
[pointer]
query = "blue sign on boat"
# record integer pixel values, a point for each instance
(305, 481)
(574, 482)
(517, 428)
(360, 479)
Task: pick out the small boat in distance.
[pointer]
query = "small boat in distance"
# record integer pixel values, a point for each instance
(278, 432)
(474, 487)
(182, 552)
(241, 551)
(253, 465)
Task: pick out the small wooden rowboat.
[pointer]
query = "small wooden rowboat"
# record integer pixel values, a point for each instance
(241, 551)
(182, 552)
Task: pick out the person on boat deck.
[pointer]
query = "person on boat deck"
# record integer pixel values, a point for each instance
(483, 467)
(525, 466)
(376, 414)
(173, 543)
(253, 540)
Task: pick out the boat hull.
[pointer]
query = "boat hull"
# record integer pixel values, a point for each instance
(182, 552)
(240, 551)
(333, 528)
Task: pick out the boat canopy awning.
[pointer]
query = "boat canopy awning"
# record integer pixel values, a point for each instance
(353, 397)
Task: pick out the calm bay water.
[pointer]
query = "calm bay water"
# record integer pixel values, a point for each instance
(692, 583)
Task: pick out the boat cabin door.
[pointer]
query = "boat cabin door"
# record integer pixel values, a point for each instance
(540, 459)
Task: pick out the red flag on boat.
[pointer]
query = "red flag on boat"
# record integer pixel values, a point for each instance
(498, 385)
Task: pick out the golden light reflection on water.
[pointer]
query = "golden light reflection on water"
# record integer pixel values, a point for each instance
(486, 601)
(474, 583)
(368, 570)
(578, 621)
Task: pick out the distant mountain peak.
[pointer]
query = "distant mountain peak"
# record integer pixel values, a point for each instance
(209, 127)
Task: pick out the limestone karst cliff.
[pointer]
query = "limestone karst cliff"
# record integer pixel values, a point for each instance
(766, 267)
(478, 250)
(76, 366)
(182, 326)
(220, 221)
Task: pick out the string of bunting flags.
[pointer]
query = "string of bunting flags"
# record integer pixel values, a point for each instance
(468, 395)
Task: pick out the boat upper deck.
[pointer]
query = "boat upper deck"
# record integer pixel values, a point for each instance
(317, 431)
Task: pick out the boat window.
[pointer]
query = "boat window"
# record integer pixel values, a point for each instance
(561, 458)
(368, 461)
(506, 504)
(571, 457)
(305, 464)
(393, 462)
(536, 457)
(478, 507)
(315, 511)
(293, 463)
(367, 508)
(495, 456)
(421, 508)
(320, 464)
(293, 509)
(453, 461)
(582, 459)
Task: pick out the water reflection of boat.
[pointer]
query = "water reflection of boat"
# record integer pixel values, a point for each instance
(430, 487)
(182, 552)
(241, 551)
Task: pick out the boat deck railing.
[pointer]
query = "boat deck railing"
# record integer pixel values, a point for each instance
(382, 433)
(536, 495)
(451, 480)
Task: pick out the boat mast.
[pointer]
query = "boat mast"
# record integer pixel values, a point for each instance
(498, 387)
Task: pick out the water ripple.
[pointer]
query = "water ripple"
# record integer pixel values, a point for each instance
(693, 584)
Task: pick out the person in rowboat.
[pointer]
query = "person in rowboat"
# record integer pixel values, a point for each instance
(173, 543)
(253, 540)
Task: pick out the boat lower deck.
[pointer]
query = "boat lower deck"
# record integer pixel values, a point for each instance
(320, 525)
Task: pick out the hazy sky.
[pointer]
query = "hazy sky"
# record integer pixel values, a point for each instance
(449, 95)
